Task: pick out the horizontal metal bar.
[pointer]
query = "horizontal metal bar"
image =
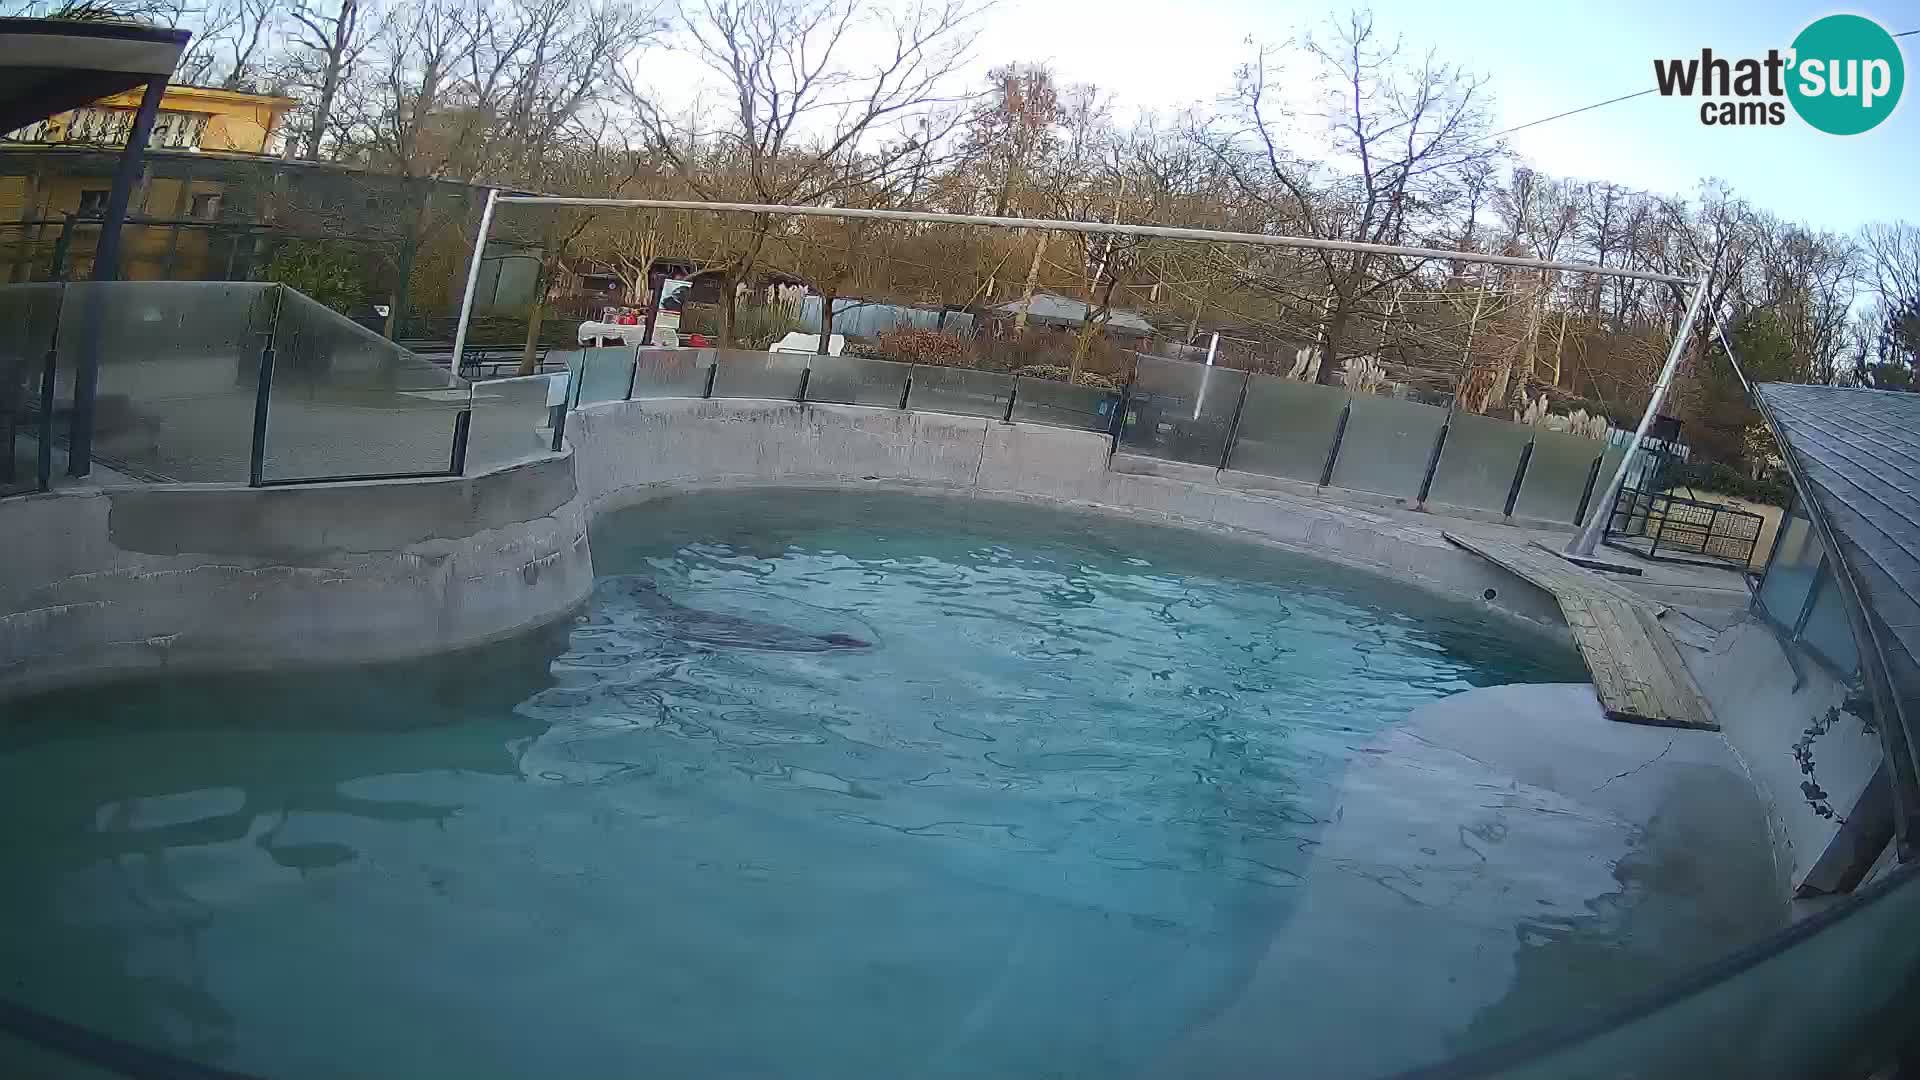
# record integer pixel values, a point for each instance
(1166, 232)
(362, 478)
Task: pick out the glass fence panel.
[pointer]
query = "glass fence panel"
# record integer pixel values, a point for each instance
(1796, 563)
(1610, 461)
(1478, 463)
(28, 315)
(759, 375)
(665, 373)
(1823, 1002)
(856, 380)
(603, 375)
(1181, 411)
(348, 402)
(1827, 630)
(511, 421)
(178, 364)
(1287, 428)
(959, 390)
(1387, 446)
(1042, 401)
(1556, 475)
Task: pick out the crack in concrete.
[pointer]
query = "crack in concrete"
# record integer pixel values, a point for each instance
(1636, 768)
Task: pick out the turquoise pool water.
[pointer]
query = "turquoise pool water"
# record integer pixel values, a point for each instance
(821, 785)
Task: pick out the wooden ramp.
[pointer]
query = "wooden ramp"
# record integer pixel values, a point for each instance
(1636, 667)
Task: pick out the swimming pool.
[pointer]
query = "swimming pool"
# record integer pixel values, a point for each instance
(821, 784)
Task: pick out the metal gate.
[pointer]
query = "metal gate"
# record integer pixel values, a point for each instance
(1673, 528)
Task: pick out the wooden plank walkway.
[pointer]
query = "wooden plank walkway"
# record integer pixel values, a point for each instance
(1636, 668)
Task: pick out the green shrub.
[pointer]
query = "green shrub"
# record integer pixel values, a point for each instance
(1726, 480)
(332, 272)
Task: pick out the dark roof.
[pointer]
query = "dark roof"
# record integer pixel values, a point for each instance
(49, 66)
(1053, 308)
(1856, 458)
(1860, 453)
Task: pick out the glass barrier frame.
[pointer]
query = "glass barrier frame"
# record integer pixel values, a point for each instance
(270, 369)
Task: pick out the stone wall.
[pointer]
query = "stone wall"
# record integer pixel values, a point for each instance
(106, 581)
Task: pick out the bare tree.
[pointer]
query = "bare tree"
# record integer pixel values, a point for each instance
(1893, 261)
(328, 40)
(805, 121)
(1402, 136)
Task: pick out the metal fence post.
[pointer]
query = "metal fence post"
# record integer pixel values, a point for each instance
(43, 465)
(462, 421)
(1660, 526)
(262, 399)
(1519, 476)
(263, 388)
(1433, 460)
(1586, 493)
(1233, 425)
(1333, 451)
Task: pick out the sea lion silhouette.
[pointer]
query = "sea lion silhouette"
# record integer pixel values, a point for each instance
(732, 631)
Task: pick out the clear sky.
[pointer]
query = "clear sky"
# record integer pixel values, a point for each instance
(1543, 57)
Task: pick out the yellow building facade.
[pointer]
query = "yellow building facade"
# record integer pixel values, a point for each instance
(49, 190)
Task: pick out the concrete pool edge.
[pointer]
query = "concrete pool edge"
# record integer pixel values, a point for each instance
(113, 582)
(110, 582)
(630, 453)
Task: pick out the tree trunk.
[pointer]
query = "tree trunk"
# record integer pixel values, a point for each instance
(826, 320)
(1525, 357)
(1330, 344)
(322, 109)
(729, 299)
(1091, 320)
(1559, 344)
(1033, 278)
(529, 362)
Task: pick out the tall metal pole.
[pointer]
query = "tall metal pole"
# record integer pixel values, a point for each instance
(106, 267)
(1213, 346)
(1602, 512)
(473, 282)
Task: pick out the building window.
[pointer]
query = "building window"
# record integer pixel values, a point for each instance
(178, 130)
(93, 203)
(206, 206)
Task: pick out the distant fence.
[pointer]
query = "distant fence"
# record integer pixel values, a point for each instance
(867, 319)
(1175, 410)
(254, 383)
(239, 382)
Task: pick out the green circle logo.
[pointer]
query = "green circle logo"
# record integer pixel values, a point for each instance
(1847, 74)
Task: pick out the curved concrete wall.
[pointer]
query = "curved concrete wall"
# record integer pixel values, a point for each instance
(630, 451)
(108, 581)
(98, 582)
